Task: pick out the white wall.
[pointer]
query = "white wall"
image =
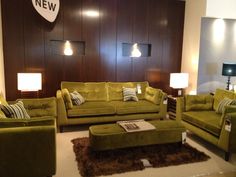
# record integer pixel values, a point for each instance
(194, 10)
(2, 78)
(221, 9)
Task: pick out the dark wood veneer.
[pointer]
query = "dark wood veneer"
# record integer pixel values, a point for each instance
(27, 36)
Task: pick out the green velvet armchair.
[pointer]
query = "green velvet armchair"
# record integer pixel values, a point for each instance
(28, 146)
(199, 114)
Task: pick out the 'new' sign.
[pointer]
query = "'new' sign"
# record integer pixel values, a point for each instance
(48, 9)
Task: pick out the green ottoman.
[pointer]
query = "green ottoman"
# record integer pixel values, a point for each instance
(112, 136)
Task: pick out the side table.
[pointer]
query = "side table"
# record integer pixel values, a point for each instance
(171, 107)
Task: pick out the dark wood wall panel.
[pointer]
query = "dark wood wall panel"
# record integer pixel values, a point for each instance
(13, 45)
(124, 35)
(27, 42)
(72, 18)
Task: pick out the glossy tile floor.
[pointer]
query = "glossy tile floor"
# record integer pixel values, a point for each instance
(215, 167)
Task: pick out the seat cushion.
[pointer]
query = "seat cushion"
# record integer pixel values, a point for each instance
(93, 108)
(132, 107)
(206, 120)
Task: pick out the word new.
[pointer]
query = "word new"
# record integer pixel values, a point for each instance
(46, 5)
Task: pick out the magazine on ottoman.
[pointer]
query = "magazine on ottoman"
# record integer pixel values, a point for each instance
(136, 125)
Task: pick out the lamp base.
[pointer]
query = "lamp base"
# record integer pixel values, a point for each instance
(228, 83)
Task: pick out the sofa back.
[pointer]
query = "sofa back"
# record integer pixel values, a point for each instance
(91, 91)
(115, 89)
(103, 91)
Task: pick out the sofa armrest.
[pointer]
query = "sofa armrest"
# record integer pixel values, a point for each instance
(227, 138)
(229, 109)
(179, 107)
(61, 109)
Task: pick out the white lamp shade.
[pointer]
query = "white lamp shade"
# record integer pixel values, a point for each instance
(179, 80)
(29, 81)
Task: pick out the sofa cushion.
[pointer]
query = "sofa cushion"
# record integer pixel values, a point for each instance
(220, 95)
(115, 90)
(206, 120)
(221, 106)
(132, 107)
(153, 95)
(15, 111)
(91, 91)
(77, 98)
(129, 94)
(143, 86)
(41, 107)
(95, 108)
(198, 102)
(67, 98)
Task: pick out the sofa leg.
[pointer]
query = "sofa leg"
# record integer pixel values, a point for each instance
(227, 155)
(61, 129)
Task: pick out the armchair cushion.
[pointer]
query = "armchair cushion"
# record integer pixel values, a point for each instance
(221, 106)
(41, 107)
(198, 102)
(206, 120)
(15, 111)
(220, 94)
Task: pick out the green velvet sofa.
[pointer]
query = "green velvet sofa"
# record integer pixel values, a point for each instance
(104, 103)
(28, 146)
(198, 114)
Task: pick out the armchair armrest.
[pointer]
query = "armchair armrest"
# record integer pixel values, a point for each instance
(229, 109)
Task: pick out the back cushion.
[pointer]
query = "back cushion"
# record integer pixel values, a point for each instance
(220, 95)
(67, 98)
(91, 91)
(153, 95)
(41, 107)
(198, 102)
(3, 102)
(115, 90)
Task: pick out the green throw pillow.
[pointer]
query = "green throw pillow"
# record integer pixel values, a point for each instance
(153, 95)
(67, 98)
(130, 94)
(222, 104)
(198, 102)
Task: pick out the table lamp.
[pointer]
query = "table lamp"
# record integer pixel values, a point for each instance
(228, 69)
(179, 81)
(29, 82)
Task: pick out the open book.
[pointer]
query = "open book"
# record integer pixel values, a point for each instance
(136, 125)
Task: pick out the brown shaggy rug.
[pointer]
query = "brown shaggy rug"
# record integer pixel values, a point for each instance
(91, 163)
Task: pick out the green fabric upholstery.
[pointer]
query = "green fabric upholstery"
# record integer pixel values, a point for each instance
(207, 120)
(198, 102)
(28, 146)
(220, 94)
(112, 136)
(2, 100)
(153, 95)
(115, 90)
(132, 107)
(91, 109)
(208, 124)
(99, 103)
(91, 91)
(40, 107)
(67, 98)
